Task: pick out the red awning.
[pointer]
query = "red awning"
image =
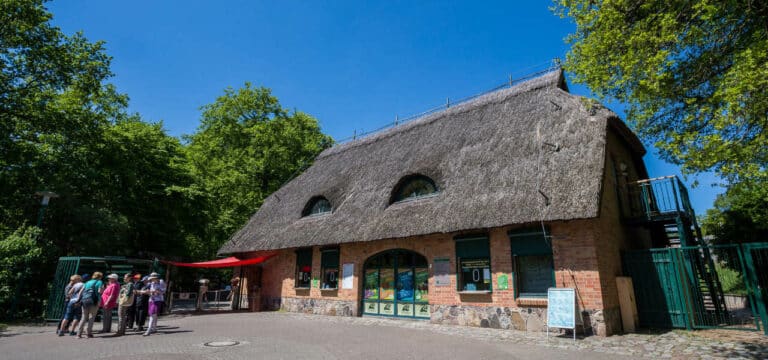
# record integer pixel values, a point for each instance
(222, 263)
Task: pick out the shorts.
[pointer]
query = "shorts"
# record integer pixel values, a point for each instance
(73, 312)
(154, 307)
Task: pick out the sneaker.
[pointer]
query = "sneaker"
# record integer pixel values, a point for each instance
(72, 333)
(61, 333)
(145, 334)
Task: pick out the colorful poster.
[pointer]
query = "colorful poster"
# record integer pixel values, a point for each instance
(405, 309)
(405, 286)
(387, 308)
(348, 271)
(502, 282)
(371, 284)
(422, 310)
(387, 284)
(371, 307)
(442, 272)
(422, 284)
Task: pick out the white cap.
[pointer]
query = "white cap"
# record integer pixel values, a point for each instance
(112, 276)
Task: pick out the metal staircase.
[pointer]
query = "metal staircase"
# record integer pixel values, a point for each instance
(663, 207)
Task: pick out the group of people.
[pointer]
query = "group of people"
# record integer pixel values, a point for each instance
(137, 299)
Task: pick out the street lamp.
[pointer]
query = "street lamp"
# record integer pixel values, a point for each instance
(46, 197)
(22, 276)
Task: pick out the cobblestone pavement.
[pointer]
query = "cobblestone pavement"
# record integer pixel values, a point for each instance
(276, 335)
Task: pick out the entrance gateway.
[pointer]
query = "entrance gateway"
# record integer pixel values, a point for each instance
(396, 284)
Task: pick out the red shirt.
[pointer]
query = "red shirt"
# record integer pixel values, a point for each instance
(109, 296)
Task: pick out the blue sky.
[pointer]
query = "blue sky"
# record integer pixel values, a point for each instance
(352, 65)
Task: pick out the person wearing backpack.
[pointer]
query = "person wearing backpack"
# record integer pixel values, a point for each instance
(124, 304)
(74, 309)
(90, 298)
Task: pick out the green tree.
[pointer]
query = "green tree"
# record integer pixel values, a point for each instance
(246, 147)
(739, 215)
(64, 128)
(693, 75)
(23, 254)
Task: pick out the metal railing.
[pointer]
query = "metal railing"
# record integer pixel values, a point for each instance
(512, 81)
(659, 196)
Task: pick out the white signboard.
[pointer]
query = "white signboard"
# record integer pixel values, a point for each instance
(347, 275)
(561, 309)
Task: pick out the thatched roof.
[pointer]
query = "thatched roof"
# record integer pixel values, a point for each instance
(489, 158)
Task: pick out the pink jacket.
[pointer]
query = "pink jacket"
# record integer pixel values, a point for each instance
(109, 296)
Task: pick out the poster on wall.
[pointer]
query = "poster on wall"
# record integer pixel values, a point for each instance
(387, 284)
(442, 272)
(387, 309)
(405, 286)
(371, 284)
(371, 307)
(422, 310)
(347, 272)
(422, 284)
(502, 282)
(405, 309)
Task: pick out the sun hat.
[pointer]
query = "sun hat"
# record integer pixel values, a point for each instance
(112, 276)
(154, 275)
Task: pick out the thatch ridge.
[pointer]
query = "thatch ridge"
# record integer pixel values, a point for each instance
(494, 159)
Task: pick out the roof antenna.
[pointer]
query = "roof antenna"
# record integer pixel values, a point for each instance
(396, 119)
(447, 102)
(511, 80)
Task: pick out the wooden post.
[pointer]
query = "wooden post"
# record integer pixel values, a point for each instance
(627, 303)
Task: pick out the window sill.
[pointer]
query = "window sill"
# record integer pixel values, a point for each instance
(475, 292)
(532, 301)
(329, 289)
(302, 288)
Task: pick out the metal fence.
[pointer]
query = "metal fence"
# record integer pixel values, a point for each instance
(701, 287)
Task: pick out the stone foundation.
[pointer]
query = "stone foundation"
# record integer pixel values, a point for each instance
(600, 322)
(319, 306)
(530, 319)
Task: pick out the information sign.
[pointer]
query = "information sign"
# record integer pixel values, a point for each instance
(561, 309)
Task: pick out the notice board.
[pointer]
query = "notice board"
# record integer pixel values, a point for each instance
(442, 272)
(561, 308)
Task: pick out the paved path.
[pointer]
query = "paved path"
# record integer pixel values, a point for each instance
(297, 336)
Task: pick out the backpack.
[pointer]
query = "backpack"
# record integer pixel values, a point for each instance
(126, 295)
(89, 296)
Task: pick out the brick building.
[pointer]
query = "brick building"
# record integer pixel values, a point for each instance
(466, 216)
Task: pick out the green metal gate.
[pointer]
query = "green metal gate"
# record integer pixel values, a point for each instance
(700, 287)
(756, 260)
(70, 265)
(658, 288)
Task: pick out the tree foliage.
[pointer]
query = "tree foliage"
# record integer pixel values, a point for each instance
(125, 186)
(739, 215)
(692, 73)
(246, 147)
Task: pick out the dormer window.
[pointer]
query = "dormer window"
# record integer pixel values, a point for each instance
(413, 187)
(318, 205)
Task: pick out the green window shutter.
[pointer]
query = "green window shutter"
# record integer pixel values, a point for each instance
(329, 259)
(530, 242)
(304, 257)
(473, 247)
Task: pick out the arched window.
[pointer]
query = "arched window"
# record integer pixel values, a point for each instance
(318, 205)
(413, 187)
